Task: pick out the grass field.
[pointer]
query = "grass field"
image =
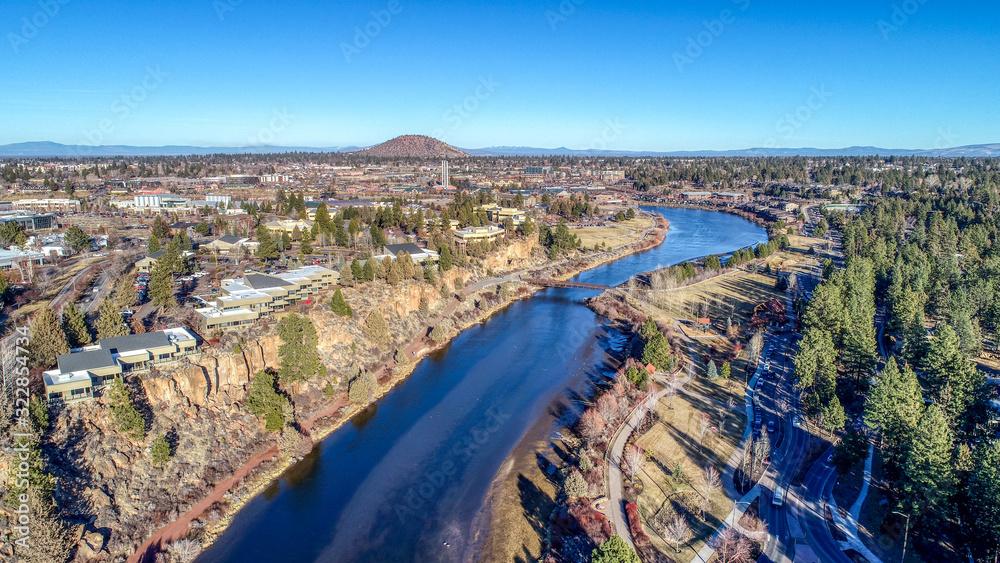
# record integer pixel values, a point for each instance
(673, 440)
(617, 234)
(736, 294)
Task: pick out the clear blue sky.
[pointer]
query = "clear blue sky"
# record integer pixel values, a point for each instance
(591, 74)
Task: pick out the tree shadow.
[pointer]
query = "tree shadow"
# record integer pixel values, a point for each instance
(534, 502)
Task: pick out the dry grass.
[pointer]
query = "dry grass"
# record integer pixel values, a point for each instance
(675, 439)
(617, 234)
(734, 295)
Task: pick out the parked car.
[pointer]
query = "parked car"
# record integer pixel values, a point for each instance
(770, 426)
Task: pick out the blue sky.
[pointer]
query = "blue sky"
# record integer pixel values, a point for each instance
(724, 74)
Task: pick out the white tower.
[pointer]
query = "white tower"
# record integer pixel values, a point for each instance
(444, 173)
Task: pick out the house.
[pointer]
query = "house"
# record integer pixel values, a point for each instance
(704, 324)
(84, 370)
(149, 261)
(226, 243)
(769, 312)
(419, 255)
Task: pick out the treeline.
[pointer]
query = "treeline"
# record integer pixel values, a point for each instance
(931, 261)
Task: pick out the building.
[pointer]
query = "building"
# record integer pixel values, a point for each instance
(727, 196)
(287, 226)
(419, 255)
(499, 214)
(218, 200)
(445, 180)
(12, 258)
(31, 221)
(473, 234)
(51, 205)
(534, 170)
(696, 195)
(226, 243)
(241, 302)
(149, 261)
(81, 372)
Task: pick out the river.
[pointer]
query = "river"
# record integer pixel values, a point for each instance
(404, 480)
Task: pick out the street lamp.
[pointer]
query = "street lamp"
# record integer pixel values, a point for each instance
(906, 533)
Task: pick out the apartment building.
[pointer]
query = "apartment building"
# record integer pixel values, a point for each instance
(254, 296)
(472, 234)
(84, 370)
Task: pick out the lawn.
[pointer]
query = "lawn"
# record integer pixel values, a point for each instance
(733, 295)
(616, 234)
(674, 439)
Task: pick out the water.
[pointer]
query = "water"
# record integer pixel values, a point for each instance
(404, 480)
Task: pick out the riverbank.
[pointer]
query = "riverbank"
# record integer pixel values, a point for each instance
(262, 474)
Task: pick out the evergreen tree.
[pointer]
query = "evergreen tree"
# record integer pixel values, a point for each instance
(614, 550)
(265, 402)
(340, 306)
(48, 341)
(298, 351)
(153, 245)
(286, 240)
(726, 371)
(712, 263)
(894, 406)
(369, 270)
(77, 239)
(267, 249)
(347, 276)
(444, 263)
(949, 369)
(357, 270)
(127, 417)
(712, 372)
(984, 499)
(928, 473)
(305, 247)
(816, 358)
(160, 228)
(160, 453)
(75, 327)
(657, 352)
(377, 329)
(161, 285)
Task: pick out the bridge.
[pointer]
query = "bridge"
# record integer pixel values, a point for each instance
(566, 284)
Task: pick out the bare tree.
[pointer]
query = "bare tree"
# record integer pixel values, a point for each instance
(591, 425)
(634, 458)
(704, 425)
(608, 408)
(732, 547)
(677, 531)
(756, 346)
(671, 391)
(761, 451)
(711, 482)
(184, 551)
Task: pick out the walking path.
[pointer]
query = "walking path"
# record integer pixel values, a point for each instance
(180, 527)
(850, 525)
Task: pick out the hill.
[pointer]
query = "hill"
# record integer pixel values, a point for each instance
(414, 146)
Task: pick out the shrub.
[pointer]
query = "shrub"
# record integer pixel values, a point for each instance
(575, 485)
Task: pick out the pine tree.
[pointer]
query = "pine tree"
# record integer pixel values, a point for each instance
(265, 402)
(267, 248)
(614, 550)
(816, 358)
(894, 406)
(377, 329)
(127, 417)
(953, 377)
(161, 288)
(713, 372)
(48, 340)
(298, 351)
(657, 352)
(444, 262)
(340, 306)
(984, 497)
(110, 322)
(347, 276)
(75, 327)
(305, 247)
(358, 270)
(153, 245)
(928, 473)
(160, 453)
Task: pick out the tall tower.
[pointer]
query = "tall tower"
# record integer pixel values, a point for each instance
(444, 173)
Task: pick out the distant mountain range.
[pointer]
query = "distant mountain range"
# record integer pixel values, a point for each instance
(426, 147)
